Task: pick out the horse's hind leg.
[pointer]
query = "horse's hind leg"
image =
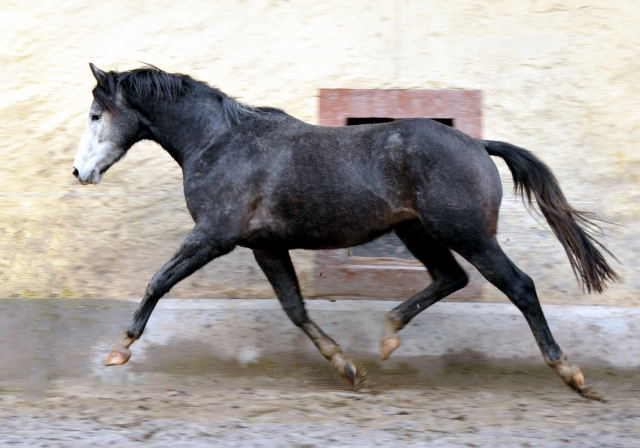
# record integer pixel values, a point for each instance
(278, 268)
(446, 273)
(487, 256)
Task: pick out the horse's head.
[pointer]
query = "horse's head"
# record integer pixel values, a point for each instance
(112, 128)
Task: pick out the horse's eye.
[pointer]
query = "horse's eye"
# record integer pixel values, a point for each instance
(95, 117)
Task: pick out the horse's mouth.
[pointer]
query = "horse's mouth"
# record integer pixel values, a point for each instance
(93, 178)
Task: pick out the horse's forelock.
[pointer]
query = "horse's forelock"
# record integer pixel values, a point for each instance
(103, 92)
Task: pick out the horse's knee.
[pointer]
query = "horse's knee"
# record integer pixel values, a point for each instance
(452, 280)
(459, 281)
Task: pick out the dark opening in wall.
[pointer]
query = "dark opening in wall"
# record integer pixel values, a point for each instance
(351, 121)
(447, 121)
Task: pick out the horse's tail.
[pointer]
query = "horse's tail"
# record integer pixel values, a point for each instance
(575, 229)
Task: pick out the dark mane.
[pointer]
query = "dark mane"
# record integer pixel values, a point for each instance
(153, 84)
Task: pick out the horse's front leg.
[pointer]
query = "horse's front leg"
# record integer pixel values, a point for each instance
(199, 248)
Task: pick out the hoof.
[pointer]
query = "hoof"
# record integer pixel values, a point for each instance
(117, 357)
(354, 375)
(574, 378)
(388, 345)
(576, 382)
(590, 394)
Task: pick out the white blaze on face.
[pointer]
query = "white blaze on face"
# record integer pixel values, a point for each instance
(97, 150)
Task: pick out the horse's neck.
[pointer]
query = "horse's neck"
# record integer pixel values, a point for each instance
(196, 131)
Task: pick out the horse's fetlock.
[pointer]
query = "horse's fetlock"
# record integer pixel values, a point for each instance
(133, 334)
(553, 363)
(393, 321)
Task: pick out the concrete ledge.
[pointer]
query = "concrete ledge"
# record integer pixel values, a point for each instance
(44, 338)
(590, 334)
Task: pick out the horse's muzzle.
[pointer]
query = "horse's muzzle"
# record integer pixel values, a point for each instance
(93, 177)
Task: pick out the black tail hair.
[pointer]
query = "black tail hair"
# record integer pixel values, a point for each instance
(575, 229)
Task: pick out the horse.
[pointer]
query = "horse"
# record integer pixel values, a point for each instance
(259, 178)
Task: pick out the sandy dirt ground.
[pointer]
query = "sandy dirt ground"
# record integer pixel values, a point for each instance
(54, 391)
(474, 407)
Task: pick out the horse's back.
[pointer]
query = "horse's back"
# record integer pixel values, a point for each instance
(320, 187)
(333, 187)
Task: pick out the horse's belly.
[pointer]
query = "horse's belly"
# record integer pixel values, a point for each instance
(334, 228)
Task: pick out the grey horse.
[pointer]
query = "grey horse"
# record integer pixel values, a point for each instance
(258, 178)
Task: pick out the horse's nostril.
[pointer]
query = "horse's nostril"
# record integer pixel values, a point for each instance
(75, 172)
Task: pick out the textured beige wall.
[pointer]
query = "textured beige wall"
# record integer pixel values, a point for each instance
(559, 77)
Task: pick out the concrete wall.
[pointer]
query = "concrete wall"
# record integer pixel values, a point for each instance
(558, 77)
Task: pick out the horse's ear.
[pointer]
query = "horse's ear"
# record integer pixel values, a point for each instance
(100, 76)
